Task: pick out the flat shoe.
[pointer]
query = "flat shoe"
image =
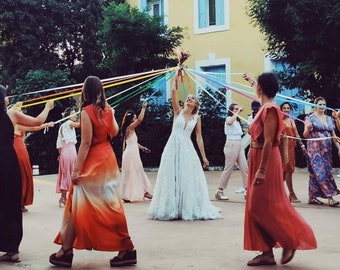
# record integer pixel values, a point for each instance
(333, 203)
(315, 201)
(287, 255)
(262, 260)
(10, 257)
(129, 258)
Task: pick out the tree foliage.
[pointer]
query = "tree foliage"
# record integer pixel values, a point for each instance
(133, 41)
(305, 35)
(53, 43)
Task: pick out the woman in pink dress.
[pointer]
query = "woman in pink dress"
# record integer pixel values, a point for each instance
(270, 219)
(135, 183)
(66, 145)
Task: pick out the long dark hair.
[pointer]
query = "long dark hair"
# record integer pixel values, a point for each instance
(3, 93)
(127, 120)
(93, 93)
(286, 103)
(68, 111)
(231, 109)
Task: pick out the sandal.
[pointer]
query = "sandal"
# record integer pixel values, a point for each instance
(10, 257)
(262, 260)
(63, 260)
(315, 201)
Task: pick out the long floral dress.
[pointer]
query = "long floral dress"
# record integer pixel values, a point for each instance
(181, 190)
(270, 219)
(319, 159)
(135, 182)
(10, 189)
(95, 202)
(25, 169)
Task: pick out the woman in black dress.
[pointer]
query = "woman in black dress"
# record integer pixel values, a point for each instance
(10, 177)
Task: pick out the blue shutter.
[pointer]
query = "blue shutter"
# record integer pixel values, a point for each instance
(143, 5)
(202, 13)
(220, 12)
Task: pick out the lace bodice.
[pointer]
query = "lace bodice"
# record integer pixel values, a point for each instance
(182, 127)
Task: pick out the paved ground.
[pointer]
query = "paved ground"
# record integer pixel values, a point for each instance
(179, 245)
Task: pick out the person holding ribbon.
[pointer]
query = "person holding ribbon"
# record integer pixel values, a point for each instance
(135, 183)
(319, 129)
(181, 190)
(287, 149)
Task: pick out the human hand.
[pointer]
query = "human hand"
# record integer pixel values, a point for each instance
(248, 78)
(144, 105)
(49, 105)
(308, 124)
(304, 151)
(205, 163)
(49, 124)
(146, 150)
(17, 106)
(259, 178)
(335, 115)
(75, 176)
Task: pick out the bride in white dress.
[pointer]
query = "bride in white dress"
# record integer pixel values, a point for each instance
(181, 190)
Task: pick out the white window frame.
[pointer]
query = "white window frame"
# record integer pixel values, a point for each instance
(211, 28)
(212, 61)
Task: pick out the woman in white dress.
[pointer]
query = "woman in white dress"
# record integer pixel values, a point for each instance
(135, 182)
(181, 190)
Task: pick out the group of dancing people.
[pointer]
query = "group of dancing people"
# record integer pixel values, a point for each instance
(94, 205)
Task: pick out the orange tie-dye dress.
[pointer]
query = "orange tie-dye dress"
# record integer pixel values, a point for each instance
(95, 202)
(270, 219)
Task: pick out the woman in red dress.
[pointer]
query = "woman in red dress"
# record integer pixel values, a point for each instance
(288, 154)
(94, 216)
(25, 163)
(270, 219)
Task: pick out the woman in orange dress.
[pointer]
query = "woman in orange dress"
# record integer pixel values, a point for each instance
(94, 216)
(270, 219)
(288, 160)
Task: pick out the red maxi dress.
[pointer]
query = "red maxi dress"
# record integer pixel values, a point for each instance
(25, 169)
(95, 202)
(270, 219)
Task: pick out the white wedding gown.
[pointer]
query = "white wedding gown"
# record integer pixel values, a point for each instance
(181, 190)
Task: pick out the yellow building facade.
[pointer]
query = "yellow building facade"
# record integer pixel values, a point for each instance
(219, 36)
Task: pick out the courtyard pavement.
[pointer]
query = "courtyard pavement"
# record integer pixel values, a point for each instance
(179, 245)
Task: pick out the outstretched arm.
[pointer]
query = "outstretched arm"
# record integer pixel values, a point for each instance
(37, 128)
(174, 97)
(140, 118)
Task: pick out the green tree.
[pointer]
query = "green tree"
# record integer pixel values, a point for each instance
(133, 41)
(305, 35)
(42, 146)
